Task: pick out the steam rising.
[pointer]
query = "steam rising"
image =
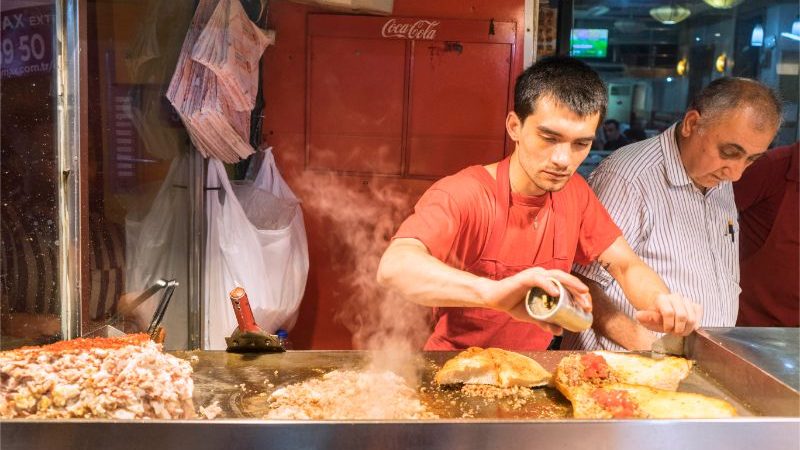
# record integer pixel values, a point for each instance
(363, 216)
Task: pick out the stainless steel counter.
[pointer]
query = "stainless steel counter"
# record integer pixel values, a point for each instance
(768, 408)
(775, 350)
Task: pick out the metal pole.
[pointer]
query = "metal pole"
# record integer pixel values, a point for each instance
(69, 148)
(564, 27)
(531, 24)
(197, 241)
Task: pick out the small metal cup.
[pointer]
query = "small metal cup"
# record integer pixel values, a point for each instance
(560, 310)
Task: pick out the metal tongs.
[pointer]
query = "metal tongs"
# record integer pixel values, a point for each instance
(155, 331)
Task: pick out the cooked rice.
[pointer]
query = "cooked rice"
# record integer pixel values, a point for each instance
(349, 395)
(118, 378)
(211, 411)
(495, 392)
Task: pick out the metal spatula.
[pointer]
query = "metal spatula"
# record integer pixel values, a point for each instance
(669, 344)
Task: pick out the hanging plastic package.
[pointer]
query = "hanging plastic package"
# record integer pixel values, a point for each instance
(256, 239)
(231, 45)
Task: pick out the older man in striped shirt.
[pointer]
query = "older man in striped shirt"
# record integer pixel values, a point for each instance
(672, 197)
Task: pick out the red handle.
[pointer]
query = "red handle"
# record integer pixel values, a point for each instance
(241, 308)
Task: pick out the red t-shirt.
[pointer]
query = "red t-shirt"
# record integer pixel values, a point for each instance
(769, 242)
(759, 194)
(454, 216)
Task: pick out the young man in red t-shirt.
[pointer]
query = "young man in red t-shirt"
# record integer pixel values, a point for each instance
(480, 239)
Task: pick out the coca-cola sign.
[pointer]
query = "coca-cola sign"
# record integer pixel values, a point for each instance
(410, 29)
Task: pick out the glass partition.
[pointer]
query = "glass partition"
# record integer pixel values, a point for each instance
(140, 169)
(139, 199)
(655, 55)
(29, 271)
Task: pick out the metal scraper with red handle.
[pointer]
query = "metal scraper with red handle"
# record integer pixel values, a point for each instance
(248, 336)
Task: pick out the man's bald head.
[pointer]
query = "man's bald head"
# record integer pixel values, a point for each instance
(728, 94)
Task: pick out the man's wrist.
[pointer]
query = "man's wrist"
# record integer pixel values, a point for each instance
(482, 292)
(644, 339)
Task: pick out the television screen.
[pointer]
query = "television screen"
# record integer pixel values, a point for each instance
(589, 43)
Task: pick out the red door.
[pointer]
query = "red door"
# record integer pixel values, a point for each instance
(355, 104)
(363, 113)
(410, 97)
(458, 103)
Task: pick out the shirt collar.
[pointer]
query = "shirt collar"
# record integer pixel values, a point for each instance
(676, 173)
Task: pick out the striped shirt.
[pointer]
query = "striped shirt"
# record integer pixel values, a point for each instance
(677, 230)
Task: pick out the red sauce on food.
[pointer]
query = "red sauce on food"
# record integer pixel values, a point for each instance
(80, 344)
(616, 402)
(594, 367)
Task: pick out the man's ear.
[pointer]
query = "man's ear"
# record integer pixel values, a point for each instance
(691, 121)
(513, 126)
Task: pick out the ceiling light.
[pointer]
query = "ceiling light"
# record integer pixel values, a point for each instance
(669, 15)
(796, 27)
(669, 79)
(682, 67)
(792, 36)
(723, 4)
(721, 62)
(757, 38)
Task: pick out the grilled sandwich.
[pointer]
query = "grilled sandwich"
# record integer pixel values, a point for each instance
(605, 385)
(493, 366)
(600, 367)
(628, 401)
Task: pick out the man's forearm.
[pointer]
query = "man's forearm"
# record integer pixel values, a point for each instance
(657, 308)
(639, 282)
(641, 285)
(614, 324)
(409, 269)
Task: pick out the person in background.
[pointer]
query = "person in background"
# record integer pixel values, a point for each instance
(614, 139)
(636, 131)
(672, 196)
(769, 240)
(480, 239)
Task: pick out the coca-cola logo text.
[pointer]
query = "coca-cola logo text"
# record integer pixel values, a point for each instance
(421, 29)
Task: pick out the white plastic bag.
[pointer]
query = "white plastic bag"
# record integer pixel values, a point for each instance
(157, 248)
(256, 240)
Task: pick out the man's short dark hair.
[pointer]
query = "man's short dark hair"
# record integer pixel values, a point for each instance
(612, 122)
(732, 93)
(567, 81)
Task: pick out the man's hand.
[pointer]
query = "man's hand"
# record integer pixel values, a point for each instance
(508, 294)
(671, 313)
(408, 268)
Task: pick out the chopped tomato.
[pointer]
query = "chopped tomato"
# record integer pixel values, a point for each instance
(594, 367)
(616, 402)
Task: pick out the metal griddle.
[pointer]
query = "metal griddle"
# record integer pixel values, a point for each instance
(241, 385)
(755, 370)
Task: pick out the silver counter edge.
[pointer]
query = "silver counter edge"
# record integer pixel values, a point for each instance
(761, 433)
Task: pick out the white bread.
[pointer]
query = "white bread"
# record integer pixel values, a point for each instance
(605, 385)
(664, 373)
(645, 403)
(492, 366)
